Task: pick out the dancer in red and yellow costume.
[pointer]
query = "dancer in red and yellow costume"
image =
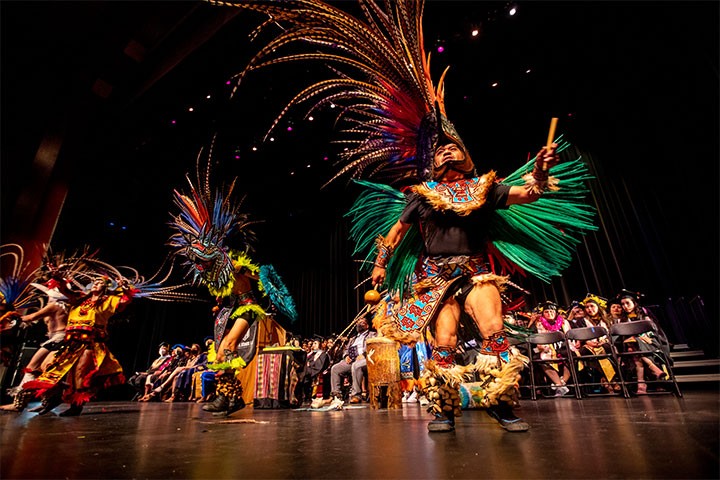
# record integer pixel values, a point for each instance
(84, 364)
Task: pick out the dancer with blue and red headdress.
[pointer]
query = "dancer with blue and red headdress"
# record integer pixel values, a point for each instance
(209, 222)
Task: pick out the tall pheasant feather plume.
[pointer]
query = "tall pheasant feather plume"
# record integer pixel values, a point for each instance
(384, 106)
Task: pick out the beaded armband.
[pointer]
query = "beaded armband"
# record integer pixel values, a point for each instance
(385, 252)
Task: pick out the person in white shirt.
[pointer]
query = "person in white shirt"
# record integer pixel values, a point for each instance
(353, 363)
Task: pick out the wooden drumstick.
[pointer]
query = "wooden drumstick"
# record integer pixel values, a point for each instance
(550, 138)
(551, 133)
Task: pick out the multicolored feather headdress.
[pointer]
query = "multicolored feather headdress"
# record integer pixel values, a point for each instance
(207, 221)
(395, 115)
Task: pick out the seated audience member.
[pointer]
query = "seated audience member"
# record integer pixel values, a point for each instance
(181, 379)
(177, 359)
(548, 320)
(614, 311)
(575, 319)
(316, 362)
(589, 313)
(139, 380)
(595, 316)
(646, 342)
(353, 364)
(333, 348)
(191, 381)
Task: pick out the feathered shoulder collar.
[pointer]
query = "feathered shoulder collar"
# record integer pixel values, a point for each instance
(461, 197)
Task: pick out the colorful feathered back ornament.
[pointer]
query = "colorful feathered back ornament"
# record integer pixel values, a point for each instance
(208, 220)
(393, 114)
(80, 270)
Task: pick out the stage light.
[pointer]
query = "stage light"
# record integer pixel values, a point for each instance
(512, 9)
(173, 122)
(311, 118)
(254, 149)
(475, 32)
(272, 139)
(528, 70)
(208, 97)
(289, 128)
(440, 49)
(494, 84)
(191, 109)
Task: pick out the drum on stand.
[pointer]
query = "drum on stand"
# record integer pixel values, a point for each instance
(383, 365)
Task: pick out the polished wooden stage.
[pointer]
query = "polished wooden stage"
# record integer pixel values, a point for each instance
(651, 437)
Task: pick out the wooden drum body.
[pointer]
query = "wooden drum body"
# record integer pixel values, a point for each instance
(383, 365)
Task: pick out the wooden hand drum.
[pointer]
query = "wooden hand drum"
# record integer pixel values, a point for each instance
(383, 365)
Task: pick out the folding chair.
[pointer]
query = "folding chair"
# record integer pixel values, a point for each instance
(621, 332)
(589, 380)
(564, 358)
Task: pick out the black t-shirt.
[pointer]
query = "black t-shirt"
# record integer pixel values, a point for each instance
(446, 233)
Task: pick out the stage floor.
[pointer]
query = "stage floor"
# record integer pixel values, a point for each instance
(652, 437)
